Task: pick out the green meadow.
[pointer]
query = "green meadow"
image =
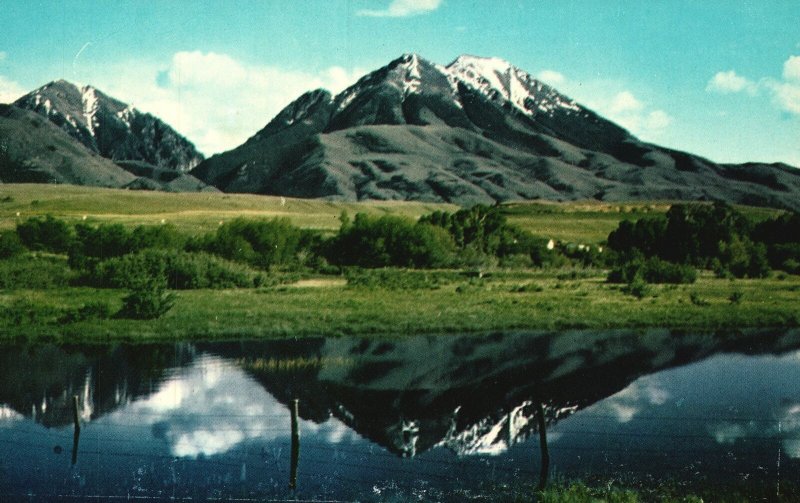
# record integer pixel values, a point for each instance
(383, 302)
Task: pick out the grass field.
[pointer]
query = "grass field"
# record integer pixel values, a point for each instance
(591, 222)
(196, 213)
(193, 213)
(456, 303)
(445, 301)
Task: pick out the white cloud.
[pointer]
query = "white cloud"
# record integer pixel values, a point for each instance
(403, 8)
(10, 90)
(731, 82)
(625, 102)
(657, 120)
(786, 95)
(552, 77)
(214, 99)
(791, 68)
(634, 115)
(611, 100)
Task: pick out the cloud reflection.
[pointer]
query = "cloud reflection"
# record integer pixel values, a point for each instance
(8, 415)
(213, 406)
(636, 397)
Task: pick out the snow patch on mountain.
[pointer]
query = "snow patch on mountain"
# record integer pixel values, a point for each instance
(497, 78)
(90, 106)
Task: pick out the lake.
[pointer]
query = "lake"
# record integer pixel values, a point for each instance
(431, 418)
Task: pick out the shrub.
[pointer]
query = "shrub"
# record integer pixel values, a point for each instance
(181, 270)
(390, 241)
(94, 244)
(735, 297)
(742, 257)
(791, 266)
(45, 234)
(10, 245)
(652, 270)
(147, 300)
(162, 237)
(23, 311)
(638, 287)
(262, 243)
(34, 272)
(485, 230)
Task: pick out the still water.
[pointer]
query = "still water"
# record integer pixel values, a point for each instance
(432, 418)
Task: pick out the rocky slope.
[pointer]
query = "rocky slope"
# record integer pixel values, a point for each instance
(111, 128)
(34, 150)
(476, 131)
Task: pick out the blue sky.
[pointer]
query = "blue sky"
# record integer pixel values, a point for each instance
(717, 78)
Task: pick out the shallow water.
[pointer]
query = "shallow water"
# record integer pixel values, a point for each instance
(423, 417)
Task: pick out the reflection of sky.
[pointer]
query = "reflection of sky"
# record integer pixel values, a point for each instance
(639, 395)
(8, 415)
(213, 406)
(222, 426)
(727, 403)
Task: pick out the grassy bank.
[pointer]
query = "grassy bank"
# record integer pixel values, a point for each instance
(434, 302)
(192, 213)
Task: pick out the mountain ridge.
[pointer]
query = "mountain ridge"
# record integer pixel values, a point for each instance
(110, 127)
(478, 130)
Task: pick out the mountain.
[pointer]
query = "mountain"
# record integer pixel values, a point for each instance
(476, 131)
(34, 150)
(111, 128)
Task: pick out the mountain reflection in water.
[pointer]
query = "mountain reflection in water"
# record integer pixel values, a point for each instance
(444, 415)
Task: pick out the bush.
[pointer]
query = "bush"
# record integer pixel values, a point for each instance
(390, 241)
(93, 244)
(162, 237)
(261, 243)
(148, 299)
(45, 234)
(652, 270)
(10, 245)
(742, 257)
(34, 272)
(25, 312)
(181, 270)
(485, 231)
(638, 287)
(698, 234)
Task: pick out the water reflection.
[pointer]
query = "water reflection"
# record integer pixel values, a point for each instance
(443, 414)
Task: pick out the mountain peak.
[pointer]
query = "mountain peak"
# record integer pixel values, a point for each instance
(488, 63)
(501, 81)
(109, 127)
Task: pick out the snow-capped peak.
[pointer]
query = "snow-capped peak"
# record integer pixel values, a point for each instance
(497, 78)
